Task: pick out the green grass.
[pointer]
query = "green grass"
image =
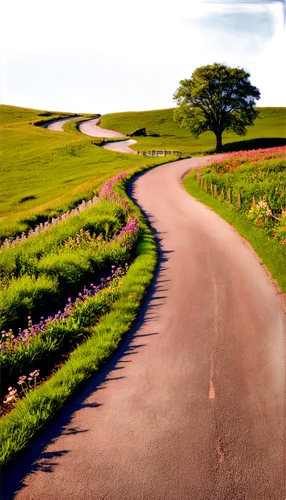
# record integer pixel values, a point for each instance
(100, 219)
(269, 130)
(86, 256)
(14, 114)
(270, 251)
(41, 404)
(59, 169)
(44, 172)
(264, 180)
(38, 273)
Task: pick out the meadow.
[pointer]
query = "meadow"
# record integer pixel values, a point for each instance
(163, 133)
(45, 173)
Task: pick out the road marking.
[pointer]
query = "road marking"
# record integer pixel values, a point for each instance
(212, 387)
(216, 329)
(212, 390)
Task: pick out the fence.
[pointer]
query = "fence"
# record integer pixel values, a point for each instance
(228, 195)
(159, 153)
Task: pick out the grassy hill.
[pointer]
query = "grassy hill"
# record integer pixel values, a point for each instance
(163, 133)
(15, 114)
(44, 172)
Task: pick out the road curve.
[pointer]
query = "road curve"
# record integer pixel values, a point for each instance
(192, 405)
(58, 124)
(90, 127)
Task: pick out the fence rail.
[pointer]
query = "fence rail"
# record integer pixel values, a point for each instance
(228, 195)
(159, 153)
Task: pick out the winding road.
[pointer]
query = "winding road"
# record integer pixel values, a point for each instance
(191, 407)
(91, 128)
(57, 125)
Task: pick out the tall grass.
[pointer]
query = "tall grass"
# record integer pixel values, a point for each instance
(104, 219)
(40, 405)
(24, 296)
(250, 177)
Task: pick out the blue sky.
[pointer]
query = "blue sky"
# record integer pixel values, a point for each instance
(81, 81)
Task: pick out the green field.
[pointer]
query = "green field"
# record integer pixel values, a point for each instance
(44, 172)
(163, 133)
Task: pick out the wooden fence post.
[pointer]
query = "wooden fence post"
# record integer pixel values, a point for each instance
(239, 200)
(215, 191)
(229, 195)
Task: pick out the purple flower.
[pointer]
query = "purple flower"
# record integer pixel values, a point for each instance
(21, 380)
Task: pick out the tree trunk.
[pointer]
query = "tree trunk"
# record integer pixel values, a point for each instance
(218, 142)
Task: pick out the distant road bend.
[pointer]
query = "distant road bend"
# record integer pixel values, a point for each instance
(192, 405)
(91, 128)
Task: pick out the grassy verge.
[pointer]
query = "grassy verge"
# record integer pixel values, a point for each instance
(41, 404)
(269, 251)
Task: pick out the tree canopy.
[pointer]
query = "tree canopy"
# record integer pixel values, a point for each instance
(216, 98)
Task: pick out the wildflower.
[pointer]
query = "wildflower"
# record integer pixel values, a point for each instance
(8, 399)
(21, 380)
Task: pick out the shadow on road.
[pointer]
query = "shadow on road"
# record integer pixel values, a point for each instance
(35, 458)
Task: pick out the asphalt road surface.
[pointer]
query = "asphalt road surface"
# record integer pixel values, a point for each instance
(192, 405)
(90, 127)
(58, 124)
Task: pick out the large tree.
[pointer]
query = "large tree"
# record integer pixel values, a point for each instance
(216, 98)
